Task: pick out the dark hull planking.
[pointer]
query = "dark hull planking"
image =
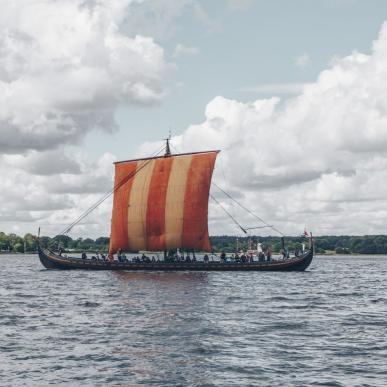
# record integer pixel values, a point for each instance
(52, 261)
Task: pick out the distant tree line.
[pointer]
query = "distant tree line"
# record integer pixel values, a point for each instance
(28, 243)
(368, 244)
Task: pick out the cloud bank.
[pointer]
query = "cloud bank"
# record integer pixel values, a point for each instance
(64, 68)
(319, 158)
(51, 190)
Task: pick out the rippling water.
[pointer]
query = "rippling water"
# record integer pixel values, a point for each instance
(326, 326)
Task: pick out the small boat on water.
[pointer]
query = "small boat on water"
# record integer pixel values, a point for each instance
(160, 204)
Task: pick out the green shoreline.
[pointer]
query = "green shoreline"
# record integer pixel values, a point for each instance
(218, 252)
(324, 245)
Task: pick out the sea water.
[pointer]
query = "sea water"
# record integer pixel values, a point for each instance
(326, 326)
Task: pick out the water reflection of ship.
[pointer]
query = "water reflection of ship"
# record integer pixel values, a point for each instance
(166, 316)
(173, 277)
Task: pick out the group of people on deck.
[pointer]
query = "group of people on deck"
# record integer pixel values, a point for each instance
(121, 257)
(97, 257)
(246, 257)
(180, 258)
(241, 257)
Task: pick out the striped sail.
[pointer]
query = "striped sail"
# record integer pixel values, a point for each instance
(161, 203)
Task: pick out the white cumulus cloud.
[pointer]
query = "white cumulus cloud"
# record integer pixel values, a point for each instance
(318, 158)
(65, 66)
(50, 189)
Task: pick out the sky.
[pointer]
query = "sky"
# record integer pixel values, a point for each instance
(291, 92)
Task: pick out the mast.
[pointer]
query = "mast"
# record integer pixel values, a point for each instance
(167, 147)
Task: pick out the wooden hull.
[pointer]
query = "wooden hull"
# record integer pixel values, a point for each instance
(51, 260)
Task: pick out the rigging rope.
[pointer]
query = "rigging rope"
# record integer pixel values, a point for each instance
(234, 220)
(247, 210)
(254, 228)
(108, 194)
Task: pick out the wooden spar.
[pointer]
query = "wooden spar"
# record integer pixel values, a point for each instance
(163, 156)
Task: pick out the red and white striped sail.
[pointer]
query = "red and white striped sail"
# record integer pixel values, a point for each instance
(162, 203)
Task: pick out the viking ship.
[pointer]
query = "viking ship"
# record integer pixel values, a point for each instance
(160, 204)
